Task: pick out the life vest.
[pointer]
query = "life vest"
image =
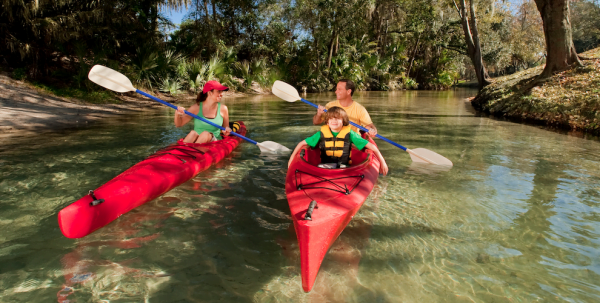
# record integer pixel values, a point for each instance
(335, 149)
(235, 126)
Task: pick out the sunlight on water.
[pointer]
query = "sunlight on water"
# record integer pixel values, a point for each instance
(516, 219)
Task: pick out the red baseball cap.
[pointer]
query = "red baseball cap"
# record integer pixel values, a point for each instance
(212, 84)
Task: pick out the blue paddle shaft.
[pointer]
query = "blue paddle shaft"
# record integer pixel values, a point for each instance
(360, 127)
(192, 115)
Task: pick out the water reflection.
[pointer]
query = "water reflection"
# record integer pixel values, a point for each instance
(515, 219)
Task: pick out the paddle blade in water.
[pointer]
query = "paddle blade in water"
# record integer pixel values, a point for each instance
(285, 91)
(270, 146)
(420, 168)
(426, 156)
(111, 79)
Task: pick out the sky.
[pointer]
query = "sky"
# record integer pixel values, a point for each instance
(176, 16)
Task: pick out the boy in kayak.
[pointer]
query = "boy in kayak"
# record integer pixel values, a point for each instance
(356, 112)
(339, 131)
(207, 105)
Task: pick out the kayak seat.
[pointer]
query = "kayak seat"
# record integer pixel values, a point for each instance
(313, 156)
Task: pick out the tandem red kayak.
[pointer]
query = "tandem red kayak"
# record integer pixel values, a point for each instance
(323, 201)
(143, 182)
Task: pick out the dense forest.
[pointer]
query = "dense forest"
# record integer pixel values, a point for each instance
(380, 44)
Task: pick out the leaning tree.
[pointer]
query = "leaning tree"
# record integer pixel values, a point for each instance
(560, 51)
(471, 33)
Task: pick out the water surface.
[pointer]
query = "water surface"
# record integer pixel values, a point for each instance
(516, 219)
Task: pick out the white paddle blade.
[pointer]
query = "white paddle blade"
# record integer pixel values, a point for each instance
(111, 79)
(273, 147)
(420, 168)
(285, 91)
(426, 156)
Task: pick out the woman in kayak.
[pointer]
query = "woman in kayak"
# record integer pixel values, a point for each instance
(335, 139)
(209, 107)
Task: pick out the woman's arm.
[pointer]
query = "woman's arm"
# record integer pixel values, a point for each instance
(181, 118)
(384, 168)
(225, 115)
(296, 150)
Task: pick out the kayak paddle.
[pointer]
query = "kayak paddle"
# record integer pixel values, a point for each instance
(115, 81)
(290, 94)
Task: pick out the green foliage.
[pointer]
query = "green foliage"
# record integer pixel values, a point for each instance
(19, 74)
(379, 44)
(143, 63)
(170, 86)
(585, 18)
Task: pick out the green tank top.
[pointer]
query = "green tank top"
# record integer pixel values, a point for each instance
(200, 126)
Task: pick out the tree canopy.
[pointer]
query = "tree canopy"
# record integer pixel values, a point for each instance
(379, 44)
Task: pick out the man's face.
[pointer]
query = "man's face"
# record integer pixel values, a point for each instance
(341, 92)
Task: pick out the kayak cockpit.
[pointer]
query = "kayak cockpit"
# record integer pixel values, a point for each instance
(312, 156)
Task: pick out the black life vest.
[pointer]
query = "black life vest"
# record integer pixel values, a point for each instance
(335, 149)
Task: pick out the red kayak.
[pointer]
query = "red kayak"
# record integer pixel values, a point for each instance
(322, 202)
(143, 182)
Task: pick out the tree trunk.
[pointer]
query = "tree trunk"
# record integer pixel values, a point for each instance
(217, 28)
(316, 46)
(331, 46)
(560, 51)
(154, 15)
(384, 40)
(209, 43)
(412, 59)
(214, 11)
(473, 44)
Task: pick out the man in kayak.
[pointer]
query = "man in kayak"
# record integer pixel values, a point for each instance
(209, 107)
(335, 139)
(356, 112)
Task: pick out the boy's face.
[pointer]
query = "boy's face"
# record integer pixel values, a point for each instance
(335, 124)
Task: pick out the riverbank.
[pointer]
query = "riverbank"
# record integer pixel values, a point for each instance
(569, 100)
(28, 110)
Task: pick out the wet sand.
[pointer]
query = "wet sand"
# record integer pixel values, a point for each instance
(27, 111)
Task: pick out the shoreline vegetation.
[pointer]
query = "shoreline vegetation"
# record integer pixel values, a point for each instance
(246, 45)
(569, 100)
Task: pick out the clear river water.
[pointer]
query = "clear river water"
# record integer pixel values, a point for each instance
(517, 219)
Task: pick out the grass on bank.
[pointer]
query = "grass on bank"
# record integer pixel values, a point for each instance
(568, 100)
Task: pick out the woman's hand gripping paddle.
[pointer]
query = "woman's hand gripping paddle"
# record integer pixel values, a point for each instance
(290, 94)
(118, 82)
